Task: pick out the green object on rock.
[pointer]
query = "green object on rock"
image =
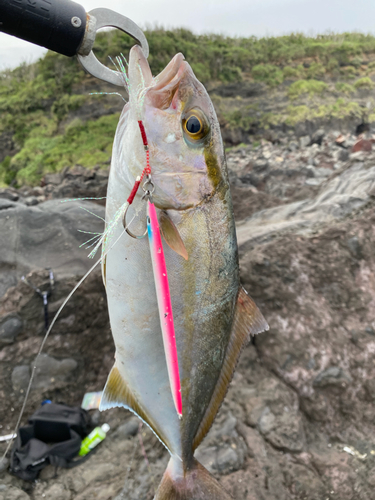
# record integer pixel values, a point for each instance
(93, 439)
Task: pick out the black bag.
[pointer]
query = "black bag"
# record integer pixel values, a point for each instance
(53, 437)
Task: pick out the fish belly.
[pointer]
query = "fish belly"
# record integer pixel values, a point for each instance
(136, 330)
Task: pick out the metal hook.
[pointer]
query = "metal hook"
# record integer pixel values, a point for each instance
(147, 196)
(128, 230)
(102, 18)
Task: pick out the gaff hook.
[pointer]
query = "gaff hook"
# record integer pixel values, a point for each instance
(103, 18)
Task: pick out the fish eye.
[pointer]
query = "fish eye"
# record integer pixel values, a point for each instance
(195, 125)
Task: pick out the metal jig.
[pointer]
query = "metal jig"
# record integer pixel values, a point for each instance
(148, 188)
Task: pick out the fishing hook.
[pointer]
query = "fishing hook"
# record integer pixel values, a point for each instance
(148, 188)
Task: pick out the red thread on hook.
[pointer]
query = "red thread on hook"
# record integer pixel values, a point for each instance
(134, 192)
(143, 132)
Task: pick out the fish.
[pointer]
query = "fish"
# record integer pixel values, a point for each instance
(214, 317)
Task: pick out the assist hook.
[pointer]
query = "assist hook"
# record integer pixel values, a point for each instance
(148, 188)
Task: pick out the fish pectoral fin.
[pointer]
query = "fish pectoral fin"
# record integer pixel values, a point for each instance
(117, 394)
(172, 235)
(247, 321)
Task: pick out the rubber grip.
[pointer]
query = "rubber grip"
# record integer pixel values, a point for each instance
(58, 25)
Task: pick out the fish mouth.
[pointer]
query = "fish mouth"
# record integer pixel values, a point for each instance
(161, 89)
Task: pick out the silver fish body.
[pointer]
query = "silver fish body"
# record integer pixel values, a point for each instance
(213, 316)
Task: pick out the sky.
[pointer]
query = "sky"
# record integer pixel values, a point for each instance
(228, 17)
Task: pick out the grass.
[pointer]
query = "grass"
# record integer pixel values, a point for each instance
(40, 103)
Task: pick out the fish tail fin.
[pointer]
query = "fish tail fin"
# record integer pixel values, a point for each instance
(193, 483)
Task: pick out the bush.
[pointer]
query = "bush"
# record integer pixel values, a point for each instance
(316, 70)
(267, 73)
(364, 83)
(311, 87)
(291, 73)
(344, 88)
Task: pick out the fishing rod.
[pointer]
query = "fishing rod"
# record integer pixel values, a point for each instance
(65, 27)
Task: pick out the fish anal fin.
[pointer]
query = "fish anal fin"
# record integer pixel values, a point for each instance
(247, 321)
(117, 394)
(172, 236)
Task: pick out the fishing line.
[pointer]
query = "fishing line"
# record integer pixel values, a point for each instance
(81, 199)
(108, 93)
(47, 334)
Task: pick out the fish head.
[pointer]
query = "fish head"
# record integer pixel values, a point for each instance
(183, 134)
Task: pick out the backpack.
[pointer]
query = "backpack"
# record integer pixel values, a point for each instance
(53, 437)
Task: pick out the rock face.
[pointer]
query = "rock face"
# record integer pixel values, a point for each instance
(46, 235)
(298, 421)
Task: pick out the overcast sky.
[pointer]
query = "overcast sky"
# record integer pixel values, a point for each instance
(230, 17)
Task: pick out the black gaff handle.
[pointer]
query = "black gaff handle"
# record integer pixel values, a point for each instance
(58, 25)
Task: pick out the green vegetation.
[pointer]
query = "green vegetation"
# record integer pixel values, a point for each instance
(344, 88)
(364, 83)
(47, 111)
(310, 87)
(268, 73)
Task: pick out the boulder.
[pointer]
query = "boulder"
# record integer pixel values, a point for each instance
(46, 236)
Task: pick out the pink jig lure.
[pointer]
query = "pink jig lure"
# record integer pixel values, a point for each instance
(164, 304)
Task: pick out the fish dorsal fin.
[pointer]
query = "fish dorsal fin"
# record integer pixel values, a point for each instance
(172, 235)
(117, 394)
(247, 321)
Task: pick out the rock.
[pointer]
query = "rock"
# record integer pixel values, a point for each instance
(43, 236)
(9, 195)
(362, 145)
(227, 459)
(343, 155)
(304, 141)
(20, 377)
(250, 178)
(303, 482)
(4, 464)
(314, 182)
(283, 431)
(129, 428)
(333, 376)
(51, 371)
(206, 455)
(6, 204)
(341, 195)
(13, 493)
(10, 327)
(54, 179)
(323, 172)
(31, 201)
(355, 247)
(317, 137)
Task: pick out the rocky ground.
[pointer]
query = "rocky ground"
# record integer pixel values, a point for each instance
(299, 419)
